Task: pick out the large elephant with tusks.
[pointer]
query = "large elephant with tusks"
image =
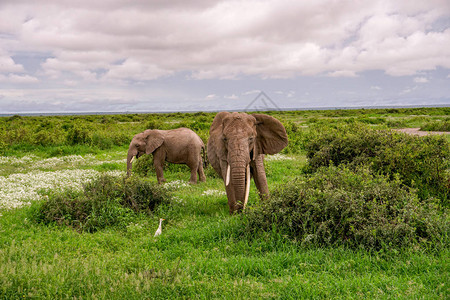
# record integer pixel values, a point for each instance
(236, 148)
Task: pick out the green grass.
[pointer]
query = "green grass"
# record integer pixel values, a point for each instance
(198, 256)
(203, 252)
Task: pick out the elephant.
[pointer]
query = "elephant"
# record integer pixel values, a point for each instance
(178, 146)
(236, 148)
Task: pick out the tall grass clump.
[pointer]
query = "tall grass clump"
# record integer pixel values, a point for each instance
(420, 162)
(338, 206)
(104, 202)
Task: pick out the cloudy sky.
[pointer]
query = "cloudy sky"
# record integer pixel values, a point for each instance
(161, 55)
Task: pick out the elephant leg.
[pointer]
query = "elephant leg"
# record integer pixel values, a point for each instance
(193, 179)
(259, 175)
(158, 163)
(201, 173)
(193, 165)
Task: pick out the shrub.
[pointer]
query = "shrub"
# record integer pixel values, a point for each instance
(47, 138)
(337, 206)
(143, 196)
(79, 134)
(154, 124)
(107, 201)
(296, 136)
(101, 141)
(396, 123)
(195, 125)
(108, 140)
(368, 120)
(143, 166)
(421, 162)
(437, 126)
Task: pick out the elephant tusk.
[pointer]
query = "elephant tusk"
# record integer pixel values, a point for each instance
(131, 161)
(227, 180)
(247, 186)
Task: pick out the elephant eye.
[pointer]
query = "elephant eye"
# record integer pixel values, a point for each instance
(251, 139)
(225, 139)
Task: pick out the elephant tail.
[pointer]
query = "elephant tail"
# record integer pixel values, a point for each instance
(204, 157)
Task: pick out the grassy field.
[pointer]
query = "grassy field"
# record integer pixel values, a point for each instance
(203, 252)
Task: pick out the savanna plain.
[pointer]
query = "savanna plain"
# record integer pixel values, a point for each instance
(357, 210)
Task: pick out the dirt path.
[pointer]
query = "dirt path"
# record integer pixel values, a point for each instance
(417, 131)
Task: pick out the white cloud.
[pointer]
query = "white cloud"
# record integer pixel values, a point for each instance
(231, 97)
(375, 87)
(8, 65)
(420, 80)
(132, 69)
(101, 44)
(251, 92)
(19, 79)
(290, 94)
(342, 73)
(226, 39)
(408, 90)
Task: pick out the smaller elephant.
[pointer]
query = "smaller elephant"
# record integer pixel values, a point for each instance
(178, 146)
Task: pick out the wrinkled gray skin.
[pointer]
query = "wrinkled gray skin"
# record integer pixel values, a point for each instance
(178, 146)
(240, 140)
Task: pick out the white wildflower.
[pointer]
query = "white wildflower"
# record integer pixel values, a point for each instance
(175, 184)
(278, 157)
(178, 200)
(134, 227)
(33, 162)
(213, 193)
(18, 189)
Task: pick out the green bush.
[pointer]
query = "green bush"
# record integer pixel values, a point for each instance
(107, 201)
(143, 196)
(143, 167)
(437, 126)
(396, 123)
(101, 141)
(47, 138)
(421, 162)
(154, 124)
(368, 120)
(195, 125)
(337, 206)
(108, 140)
(79, 134)
(297, 138)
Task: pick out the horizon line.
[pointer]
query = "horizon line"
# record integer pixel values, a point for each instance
(68, 113)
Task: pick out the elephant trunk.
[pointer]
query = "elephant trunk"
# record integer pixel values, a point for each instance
(130, 159)
(238, 181)
(239, 174)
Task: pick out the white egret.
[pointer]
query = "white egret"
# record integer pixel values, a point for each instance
(159, 230)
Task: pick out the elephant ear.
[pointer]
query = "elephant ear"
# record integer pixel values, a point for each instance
(271, 135)
(216, 150)
(218, 121)
(154, 140)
